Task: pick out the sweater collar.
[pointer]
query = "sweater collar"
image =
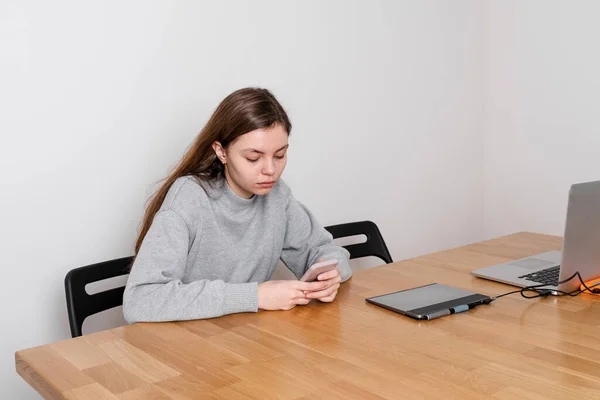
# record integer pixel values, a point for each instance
(234, 201)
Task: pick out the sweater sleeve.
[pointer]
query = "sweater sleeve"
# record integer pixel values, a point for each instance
(306, 241)
(155, 292)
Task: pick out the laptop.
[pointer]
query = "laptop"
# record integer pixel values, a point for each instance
(580, 252)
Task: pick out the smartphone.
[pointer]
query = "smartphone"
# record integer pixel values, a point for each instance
(317, 269)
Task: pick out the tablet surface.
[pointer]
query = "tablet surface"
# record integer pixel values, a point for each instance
(430, 301)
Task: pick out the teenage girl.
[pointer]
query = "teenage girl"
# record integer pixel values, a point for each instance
(214, 232)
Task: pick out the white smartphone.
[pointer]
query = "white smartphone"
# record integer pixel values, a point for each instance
(317, 269)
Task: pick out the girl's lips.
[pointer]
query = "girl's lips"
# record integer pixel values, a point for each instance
(266, 184)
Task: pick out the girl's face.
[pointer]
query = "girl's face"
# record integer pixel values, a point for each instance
(255, 160)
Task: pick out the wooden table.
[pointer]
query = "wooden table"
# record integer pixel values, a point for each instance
(513, 348)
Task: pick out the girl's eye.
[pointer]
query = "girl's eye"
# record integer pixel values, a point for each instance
(279, 157)
(252, 159)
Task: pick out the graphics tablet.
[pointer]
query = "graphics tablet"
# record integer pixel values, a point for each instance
(430, 301)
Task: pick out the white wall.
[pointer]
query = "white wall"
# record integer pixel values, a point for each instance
(541, 119)
(99, 99)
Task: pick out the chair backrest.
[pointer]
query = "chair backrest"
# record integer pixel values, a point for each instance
(80, 304)
(374, 246)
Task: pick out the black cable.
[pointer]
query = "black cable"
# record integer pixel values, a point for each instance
(545, 292)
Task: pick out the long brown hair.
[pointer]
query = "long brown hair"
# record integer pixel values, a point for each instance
(243, 111)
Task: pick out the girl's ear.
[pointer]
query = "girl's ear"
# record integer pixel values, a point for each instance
(219, 151)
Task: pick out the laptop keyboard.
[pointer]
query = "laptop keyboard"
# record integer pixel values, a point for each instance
(548, 276)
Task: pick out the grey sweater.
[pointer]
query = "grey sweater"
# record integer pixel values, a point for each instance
(208, 249)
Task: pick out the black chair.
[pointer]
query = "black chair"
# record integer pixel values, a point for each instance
(81, 305)
(374, 246)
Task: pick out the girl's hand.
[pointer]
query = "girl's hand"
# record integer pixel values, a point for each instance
(332, 280)
(285, 295)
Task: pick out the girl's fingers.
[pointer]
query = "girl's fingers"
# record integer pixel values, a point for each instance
(330, 298)
(329, 275)
(311, 286)
(323, 293)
